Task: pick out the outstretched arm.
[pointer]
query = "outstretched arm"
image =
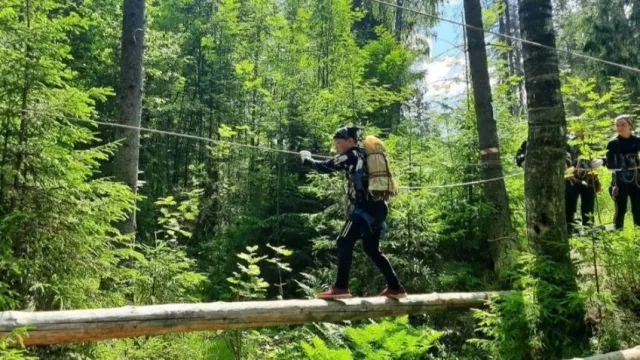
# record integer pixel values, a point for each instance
(337, 163)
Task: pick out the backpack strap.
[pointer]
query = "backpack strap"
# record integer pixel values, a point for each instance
(378, 174)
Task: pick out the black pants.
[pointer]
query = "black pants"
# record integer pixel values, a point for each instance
(572, 192)
(625, 190)
(356, 228)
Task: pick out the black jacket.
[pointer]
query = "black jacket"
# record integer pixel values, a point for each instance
(521, 155)
(623, 153)
(582, 166)
(354, 164)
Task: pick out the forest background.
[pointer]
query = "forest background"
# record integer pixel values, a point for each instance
(218, 221)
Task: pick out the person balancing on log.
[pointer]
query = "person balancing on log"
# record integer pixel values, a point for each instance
(370, 185)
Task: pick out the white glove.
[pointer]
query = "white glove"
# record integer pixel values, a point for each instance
(596, 163)
(305, 155)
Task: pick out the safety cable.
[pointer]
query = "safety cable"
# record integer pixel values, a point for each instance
(460, 184)
(263, 148)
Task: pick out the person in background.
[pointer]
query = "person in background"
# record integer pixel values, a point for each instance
(521, 154)
(622, 160)
(366, 219)
(582, 183)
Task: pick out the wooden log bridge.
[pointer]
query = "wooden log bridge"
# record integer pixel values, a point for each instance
(629, 354)
(58, 327)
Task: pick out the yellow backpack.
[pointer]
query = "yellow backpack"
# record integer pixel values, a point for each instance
(382, 186)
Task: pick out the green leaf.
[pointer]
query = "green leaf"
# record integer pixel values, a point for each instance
(280, 250)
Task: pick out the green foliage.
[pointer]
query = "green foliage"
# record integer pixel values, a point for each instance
(505, 327)
(56, 210)
(318, 350)
(395, 339)
(179, 347)
(277, 260)
(247, 283)
(164, 274)
(12, 346)
(539, 322)
(283, 75)
(535, 322)
(612, 295)
(595, 28)
(592, 112)
(177, 219)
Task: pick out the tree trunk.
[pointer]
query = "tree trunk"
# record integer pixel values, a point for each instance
(24, 115)
(502, 29)
(505, 56)
(364, 27)
(546, 147)
(508, 27)
(399, 20)
(130, 101)
(3, 161)
(544, 183)
(510, 58)
(396, 108)
(517, 50)
(498, 229)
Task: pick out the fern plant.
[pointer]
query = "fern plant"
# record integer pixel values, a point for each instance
(177, 219)
(278, 260)
(162, 272)
(247, 283)
(533, 323)
(318, 350)
(12, 347)
(386, 340)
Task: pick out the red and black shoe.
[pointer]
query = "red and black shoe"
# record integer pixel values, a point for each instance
(334, 293)
(395, 294)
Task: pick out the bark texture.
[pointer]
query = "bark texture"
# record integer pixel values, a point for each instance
(57, 327)
(125, 162)
(499, 230)
(556, 285)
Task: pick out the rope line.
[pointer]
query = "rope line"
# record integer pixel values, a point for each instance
(263, 148)
(460, 184)
(168, 133)
(511, 37)
(195, 137)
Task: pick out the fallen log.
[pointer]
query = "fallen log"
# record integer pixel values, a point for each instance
(58, 327)
(629, 354)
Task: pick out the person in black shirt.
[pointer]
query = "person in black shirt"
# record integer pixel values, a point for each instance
(622, 159)
(366, 216)
(521, 154)
(582, 183)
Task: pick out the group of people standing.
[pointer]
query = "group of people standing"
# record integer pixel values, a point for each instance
(621, 158)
